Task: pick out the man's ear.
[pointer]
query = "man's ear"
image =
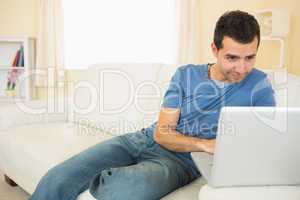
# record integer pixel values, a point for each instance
(214, 49)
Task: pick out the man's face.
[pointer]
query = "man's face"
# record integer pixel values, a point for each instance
(235, 60)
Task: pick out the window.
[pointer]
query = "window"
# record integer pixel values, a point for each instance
(107, 31)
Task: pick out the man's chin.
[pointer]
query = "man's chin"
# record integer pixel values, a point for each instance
(236, 79)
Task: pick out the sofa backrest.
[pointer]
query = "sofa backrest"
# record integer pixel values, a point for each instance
(286, 86)
(121, 98)
(118, 98)
(18, 113)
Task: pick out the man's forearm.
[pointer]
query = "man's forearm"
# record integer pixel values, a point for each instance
(178, 142)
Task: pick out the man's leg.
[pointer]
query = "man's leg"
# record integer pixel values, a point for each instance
(68, 179)
(148, 180)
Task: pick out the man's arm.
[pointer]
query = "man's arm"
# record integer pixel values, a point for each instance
(167, 136)
(264, 95)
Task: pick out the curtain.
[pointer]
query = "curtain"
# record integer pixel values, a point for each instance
(50, 58)
(189, 31)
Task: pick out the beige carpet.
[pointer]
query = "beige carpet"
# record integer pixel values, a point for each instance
(11, 193)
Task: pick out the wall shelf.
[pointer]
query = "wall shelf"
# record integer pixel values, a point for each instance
(24, 87)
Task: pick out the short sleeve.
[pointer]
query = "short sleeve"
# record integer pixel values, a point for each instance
(174, 94)
(263, 94)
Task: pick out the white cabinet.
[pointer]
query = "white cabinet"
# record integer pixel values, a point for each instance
(274, 27)
(17, 78)
(273, 23)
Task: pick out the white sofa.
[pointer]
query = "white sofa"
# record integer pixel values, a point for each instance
(102, 102)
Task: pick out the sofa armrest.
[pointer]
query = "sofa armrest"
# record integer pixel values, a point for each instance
(14, 114)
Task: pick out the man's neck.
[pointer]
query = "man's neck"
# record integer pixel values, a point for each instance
(215, 74)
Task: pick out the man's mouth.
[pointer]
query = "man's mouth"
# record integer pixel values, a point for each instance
(238, 77)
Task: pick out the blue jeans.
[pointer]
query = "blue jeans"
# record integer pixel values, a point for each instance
(129, 167)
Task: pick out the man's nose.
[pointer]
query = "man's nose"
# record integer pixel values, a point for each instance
(241, 68)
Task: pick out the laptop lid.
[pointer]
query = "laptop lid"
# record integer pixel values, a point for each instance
(257, 146)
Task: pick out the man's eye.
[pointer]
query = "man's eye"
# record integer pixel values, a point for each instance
(250, 58)
(232, 58)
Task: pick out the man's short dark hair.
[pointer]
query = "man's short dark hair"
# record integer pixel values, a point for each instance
(238, 25)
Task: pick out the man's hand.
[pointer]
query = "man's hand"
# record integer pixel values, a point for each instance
(208, 146)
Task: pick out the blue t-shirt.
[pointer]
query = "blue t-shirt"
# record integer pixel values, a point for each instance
(200, 99)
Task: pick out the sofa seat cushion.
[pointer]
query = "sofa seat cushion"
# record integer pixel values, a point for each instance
(250, 193)
(189, 192)
(29, 151)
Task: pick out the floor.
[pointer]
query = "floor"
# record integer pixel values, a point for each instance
(11, 193)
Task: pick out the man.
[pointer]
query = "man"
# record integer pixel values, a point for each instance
(153, 162)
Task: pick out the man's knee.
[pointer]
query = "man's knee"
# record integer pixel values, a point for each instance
(123, 183)
(100, 181)
(111, 185)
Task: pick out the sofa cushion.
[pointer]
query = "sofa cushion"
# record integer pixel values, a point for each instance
(28, 151)
(119, 98)
(189, 192)
(30, 112)
(250, 193)
(286, 86)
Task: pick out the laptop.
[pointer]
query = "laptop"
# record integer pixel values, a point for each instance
(255, 146)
